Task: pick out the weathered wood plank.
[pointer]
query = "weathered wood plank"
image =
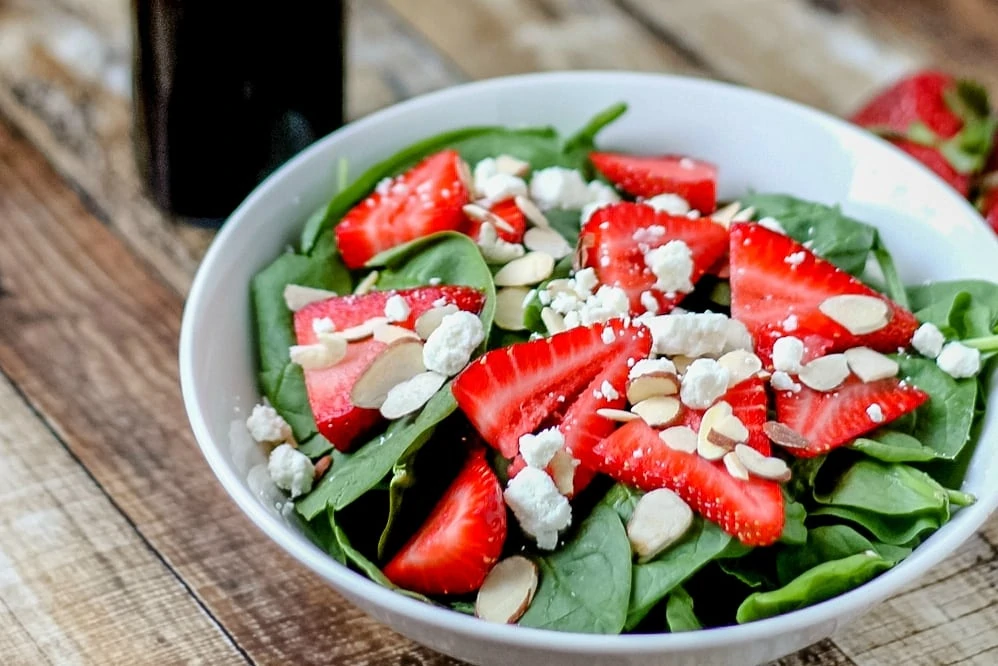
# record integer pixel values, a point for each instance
(824, 653)
(89, 337)
(77, 584)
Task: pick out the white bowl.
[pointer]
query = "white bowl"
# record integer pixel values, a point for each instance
(759, 142)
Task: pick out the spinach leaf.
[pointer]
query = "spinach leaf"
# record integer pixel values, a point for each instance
(943, 423)
(315, 446)
(463, 607)
(358, 472)
(679, 615)
(891, 446)
(794, 513)
(840, 239)
(894, 530)
(937, 301)
(320, 532)
(585, 585)
(830, 542)
(583, 139)
(566, 222)
(826, 580)
(893, 286)
(750, 569)
(888, 489)
(402, 479)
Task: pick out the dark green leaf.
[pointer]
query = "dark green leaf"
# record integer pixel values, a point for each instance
(315, 446)
(566, 222)
(893, 286)
(679, 615)
(583, 140)
(943, 423)
(402, 479)
(894, 530)
(935, 303)
(830, 542)
(794, 531)
(891, 446)
(888, 489)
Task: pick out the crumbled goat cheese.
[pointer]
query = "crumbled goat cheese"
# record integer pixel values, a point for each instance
(483, 171)
(736, 337)
(959, 361)
(450, 345)
(610, 393)
(647, 366)
(540, 509)
(291, 470)
(672, 265)
(795, 259)
(396, 308)
(928, 340)
(697, 334)
(787, 354)
(781, 381)
(266, 426)
(875, 413)
(608, 336)
(649, 302)
(703, 383)
(502, 186)
(538, 450)
(323, 326)
(558, 187)
(673, 204)
(790, 323)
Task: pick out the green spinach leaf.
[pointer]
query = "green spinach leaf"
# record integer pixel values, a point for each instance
(889, 489)
(946, 305)
(794, 531)
(679, 615)
(894, 530)
(830, 542)
(943, 423)
(891, 446)
(402, 479)
(566, 222)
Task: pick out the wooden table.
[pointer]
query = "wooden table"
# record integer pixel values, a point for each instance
(116, 543)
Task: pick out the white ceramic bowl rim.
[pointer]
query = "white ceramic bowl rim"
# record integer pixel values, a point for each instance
(964, 524)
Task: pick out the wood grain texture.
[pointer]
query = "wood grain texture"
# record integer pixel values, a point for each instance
(77, 584)
(90, 338)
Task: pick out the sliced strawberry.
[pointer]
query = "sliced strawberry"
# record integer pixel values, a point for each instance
(989, 207)
(615, 238)
(774, 297)
(509, 392)
(426, 199)
(583, 475)
(693, 180)
(749, 403)
(919, 98)
(337, 419)
(935, 160)
(582, 426)
(830, 420)
(461, 540)
(511, 214)
(752, 510)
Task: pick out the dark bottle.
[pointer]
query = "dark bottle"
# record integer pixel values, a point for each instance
(226, 91)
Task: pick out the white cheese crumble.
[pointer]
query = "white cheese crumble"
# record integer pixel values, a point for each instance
(790, 323)
(484, 170)
(697, 334)
(672, 265)
(610, 393)
(575, 301)
(323, 326)
(736, 337)
(703, 383)
(781, 381)
(959, 361)
(540, 509)
(795, 259)
(649, 302)
(787, 354)
(875, 413)
(497, 250)
(538, 450)
(928, 340)
(396, 308)
(772, 224)
(607, 336)
(266, 426)
(558, 187)
(451, 344)
(673, 204)
(291, 470)
(647, 366)
(502, 186)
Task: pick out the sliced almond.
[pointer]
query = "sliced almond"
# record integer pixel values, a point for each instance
(464, 173)
(512, 166)
(321, 467)
(682, 362)
(735, 467)
(723, 216)
(657, 411)
(730, 426)
(651, 385)
(530, 269)
(319, 355)
(785, 436)
(744, 215)
(546, 239)
(400, 361)
(484, 215)
(826, 373)
(680, 438)
(553, 321)
(361, 331)
(562, 468)
(764, 467)
(618, 415)
(715, 414)
(531, 211)
(388, 333)
(412, 394)
(507, 591)
(659, 520)
(367, 284)
(857, 313)
(509, 308)
(741, 364)
(870, 365)
(297, 296)
(428, 322)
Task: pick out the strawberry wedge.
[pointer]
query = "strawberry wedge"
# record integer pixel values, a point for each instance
(751, 511)
(337, 419)
(749, 403)
(693, 180)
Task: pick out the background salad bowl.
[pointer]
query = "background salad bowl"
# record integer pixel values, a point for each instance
(758, 141)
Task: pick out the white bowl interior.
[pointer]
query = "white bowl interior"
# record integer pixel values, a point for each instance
(759, 142)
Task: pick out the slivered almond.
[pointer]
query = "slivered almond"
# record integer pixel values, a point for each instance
(297, 296)
(361, 331)
(764, 467)
(553, 321)
(366, 285)
(714, 415)
(508, 590)
(682, 362)
(464, 173)
(531, 211)
(730, 426)
(321, 467)
(546, 239)
(513, 166)
(659, 520)
(562, 469)
(741, 364)
(428, 322)
(400, 361)
(657, 411)
(485, 216)
(680, 438)
(825, 373)
(723, 216)
(785, 436)
(389, 333)
(651, 385)
(509, 308)
(735, 467)
(870, 365)
(618, 415)
(857, 313)
(528, 270)
(410, 395)
(319, 355)
(744, 215)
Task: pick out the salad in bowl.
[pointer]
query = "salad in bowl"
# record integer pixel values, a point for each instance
(551, 384)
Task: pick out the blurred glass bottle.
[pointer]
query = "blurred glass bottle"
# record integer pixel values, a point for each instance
(226, 91)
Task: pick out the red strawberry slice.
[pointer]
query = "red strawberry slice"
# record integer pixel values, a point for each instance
(509, 392)
(919, 98)
(693, 180)
(989, 207)
(337, 419)
(461, 540)
(774, 296)
(426, 199)
(749, 403)
(935, 160)
(511, 214)
(751, 511)
(615, 238)
(830, 420)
